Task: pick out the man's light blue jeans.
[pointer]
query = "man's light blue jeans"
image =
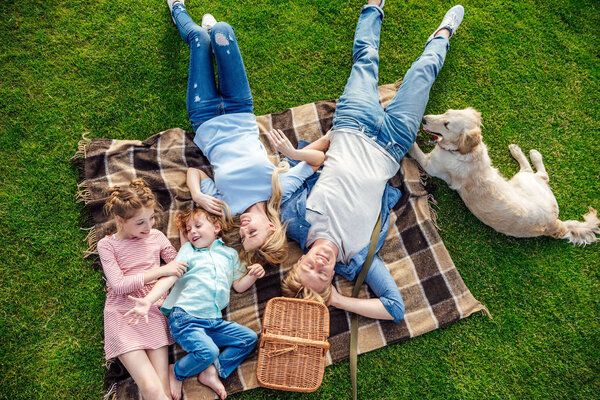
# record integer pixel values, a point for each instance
(204, 100)
(395, 127)
(202, 339)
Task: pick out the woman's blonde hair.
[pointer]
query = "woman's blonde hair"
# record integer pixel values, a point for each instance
(291, 287)
(274, 250)
(125, 201)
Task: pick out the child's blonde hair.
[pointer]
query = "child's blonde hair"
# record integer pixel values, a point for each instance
(274, 250)
(291, 287)
(125, 201)
(184, 216)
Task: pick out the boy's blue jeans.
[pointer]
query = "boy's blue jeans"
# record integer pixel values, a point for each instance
(395, 128)
(204, 99)
(202, 339)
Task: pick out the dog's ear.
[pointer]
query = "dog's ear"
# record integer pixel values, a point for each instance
(468, 141)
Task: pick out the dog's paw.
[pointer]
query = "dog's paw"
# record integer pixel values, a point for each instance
(515, 151)
(535, 156)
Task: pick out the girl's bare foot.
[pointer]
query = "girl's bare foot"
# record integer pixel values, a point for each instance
(174, 384)
(210, 378)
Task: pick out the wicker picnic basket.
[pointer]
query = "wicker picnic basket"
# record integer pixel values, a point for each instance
(293, 345)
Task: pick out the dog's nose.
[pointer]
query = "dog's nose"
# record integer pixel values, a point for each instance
(424, 121)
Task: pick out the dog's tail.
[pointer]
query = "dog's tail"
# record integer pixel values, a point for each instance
(576, 232)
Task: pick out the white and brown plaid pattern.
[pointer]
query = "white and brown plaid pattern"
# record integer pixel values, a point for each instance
(434, 293)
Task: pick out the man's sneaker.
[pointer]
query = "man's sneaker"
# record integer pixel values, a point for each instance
(171, 3)
(208, 21)
(451, 21)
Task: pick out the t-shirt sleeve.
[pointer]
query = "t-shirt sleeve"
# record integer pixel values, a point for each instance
(293, 178)
(119, 283)
(167, 250)
(383, 285)
(208, 187)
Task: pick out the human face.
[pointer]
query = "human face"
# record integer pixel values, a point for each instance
(316, 268)
(138, 226)
(254, 230)
(201, 232)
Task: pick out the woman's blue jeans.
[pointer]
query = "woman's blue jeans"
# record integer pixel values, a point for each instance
(204, 99)
(395, 127)
(209, 341)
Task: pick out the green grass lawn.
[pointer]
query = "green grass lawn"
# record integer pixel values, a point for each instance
(119, 70)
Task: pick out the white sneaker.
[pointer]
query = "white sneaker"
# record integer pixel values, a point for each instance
(451, 21)
(208, 21)
(170, 3)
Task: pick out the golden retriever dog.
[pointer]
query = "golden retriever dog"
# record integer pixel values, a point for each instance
(523, 206)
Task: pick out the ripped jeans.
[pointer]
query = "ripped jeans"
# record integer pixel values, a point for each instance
(395, 127)
(204, 100)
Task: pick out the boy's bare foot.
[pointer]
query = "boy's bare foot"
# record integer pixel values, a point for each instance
(379, 3)
(174, 384)
(209, 377)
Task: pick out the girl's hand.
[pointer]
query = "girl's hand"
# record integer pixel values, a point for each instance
(141, 309)
(210, 204)
(256, 270)
(281, 143)
(174, 268)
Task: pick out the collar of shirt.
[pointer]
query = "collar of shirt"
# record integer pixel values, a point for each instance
(217, 242)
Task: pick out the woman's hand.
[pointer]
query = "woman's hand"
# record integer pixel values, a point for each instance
(174, 268)
(141, 309)
(209, 203)
(256, 270)
(281, 143)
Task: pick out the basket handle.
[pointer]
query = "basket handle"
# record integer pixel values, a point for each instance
(295, 341)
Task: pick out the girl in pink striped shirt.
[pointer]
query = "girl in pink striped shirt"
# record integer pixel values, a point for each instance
(131, 262)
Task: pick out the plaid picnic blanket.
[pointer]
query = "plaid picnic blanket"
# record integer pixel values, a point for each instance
(434, 293)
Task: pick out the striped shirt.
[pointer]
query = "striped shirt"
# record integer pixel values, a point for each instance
(124, 263)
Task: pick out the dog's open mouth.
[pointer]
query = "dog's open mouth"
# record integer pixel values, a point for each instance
(436, 135)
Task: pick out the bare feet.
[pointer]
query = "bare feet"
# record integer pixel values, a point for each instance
(210, 378)
(174, 384)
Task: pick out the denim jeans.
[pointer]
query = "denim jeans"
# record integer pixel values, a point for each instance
(202, 339)
(395, 127)
(204, 99)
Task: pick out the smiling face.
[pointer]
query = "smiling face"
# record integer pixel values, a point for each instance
(316, 268)
(138, 226)
(254, 229)
(455, 129)
(200, 231)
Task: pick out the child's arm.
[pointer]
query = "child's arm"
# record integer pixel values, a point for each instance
(174, 268)
(209, 203)
(143, 304)
(313, 155)
(255, 271)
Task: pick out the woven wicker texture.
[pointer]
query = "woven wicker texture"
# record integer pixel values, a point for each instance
(293, 345)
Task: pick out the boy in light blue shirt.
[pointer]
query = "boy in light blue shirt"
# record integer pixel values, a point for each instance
(196, 300)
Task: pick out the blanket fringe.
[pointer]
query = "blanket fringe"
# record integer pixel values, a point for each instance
(112, 391)
(81, 147)
(398, 83)
(83, 193)
(92, 241)
(432, 202)
(487, 312)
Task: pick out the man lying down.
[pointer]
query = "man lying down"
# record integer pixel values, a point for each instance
(333, 224)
